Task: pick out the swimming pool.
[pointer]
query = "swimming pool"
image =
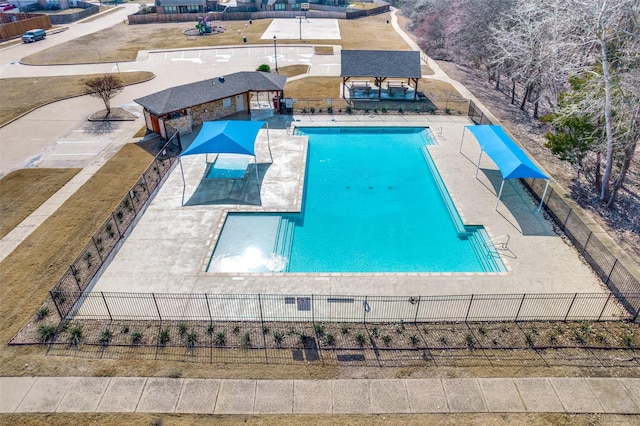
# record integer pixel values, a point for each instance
(373, 202)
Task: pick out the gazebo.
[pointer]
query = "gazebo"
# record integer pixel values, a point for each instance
(382, 65)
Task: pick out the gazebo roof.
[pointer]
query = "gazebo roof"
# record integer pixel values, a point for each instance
(380, 63)
(201, 92)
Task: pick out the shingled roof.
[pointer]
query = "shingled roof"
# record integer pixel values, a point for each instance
(380, 63)
(201, 92)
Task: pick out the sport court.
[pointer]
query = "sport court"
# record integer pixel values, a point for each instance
(302, 28)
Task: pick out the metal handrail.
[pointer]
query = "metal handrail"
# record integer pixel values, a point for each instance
(499, 245)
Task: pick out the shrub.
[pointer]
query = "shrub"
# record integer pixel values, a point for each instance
(42, 313)
(182, 329)
(46, 333)
(221, 339)
(360, 339)
(236, 329)
(330, 110)
(348, 110)
(302, 338)
(192, 339)
(313, 110)
(210, 329)
(331, 341)
(468, 340)
(264, 68)
(136, 337)
(319, 329)
(278, 336)
(265, 329)
(345, 329)
(384, 109)
(105, 337)
(246, 340)
(163, 336)
(75, 335)
(401, 109)
(386, 339)
(529, 339)
(414, 340)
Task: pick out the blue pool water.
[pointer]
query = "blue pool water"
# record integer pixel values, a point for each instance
(371, 204)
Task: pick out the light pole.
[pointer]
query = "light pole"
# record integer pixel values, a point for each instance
(275, 52)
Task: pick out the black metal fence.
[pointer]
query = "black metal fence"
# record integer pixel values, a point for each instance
(609, 268)
(476, 115)
(113, 230)
(433, 104)
(262, 308)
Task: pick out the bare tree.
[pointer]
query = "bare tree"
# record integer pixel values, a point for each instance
(542, 45)
(104, 87)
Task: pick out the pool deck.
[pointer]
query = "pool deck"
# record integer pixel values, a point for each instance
(169, 249)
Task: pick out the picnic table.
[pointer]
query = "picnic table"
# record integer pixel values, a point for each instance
(396, 85)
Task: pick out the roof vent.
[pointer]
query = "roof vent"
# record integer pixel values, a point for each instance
(221, 79)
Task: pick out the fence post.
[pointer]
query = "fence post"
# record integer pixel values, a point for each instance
(73, 274)
(584, 247)
(106, 305)
(469, 308)
(97, 249)
(611, 272)
(604, 307)
(156, 303)
(264, 337)
(206, 298)
(115, 222)
(564, 223)
(55, 302)
(415, 319)
(519, 308)
(570, 306)
(365, 309)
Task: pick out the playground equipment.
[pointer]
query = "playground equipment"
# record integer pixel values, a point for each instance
(203, 25)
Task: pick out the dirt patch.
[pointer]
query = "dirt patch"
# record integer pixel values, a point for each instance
(480, 419)
(116, 114)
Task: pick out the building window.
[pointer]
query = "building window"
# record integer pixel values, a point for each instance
(226, 102)
(170, 9)
(280, 6)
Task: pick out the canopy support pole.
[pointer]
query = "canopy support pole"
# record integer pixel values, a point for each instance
(269, 143)
(544, 194)
(462, 140)
(255, 162)
(184, 184)
(478, 165)
(499, 194)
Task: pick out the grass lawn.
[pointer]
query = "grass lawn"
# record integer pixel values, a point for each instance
(23, 191)
(31, 270)
(20, 95)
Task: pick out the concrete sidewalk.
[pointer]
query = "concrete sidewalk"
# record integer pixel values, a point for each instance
(357, 396)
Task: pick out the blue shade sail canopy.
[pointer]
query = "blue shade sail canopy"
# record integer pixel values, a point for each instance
(225, 137)
(512, 162)
(510, 159)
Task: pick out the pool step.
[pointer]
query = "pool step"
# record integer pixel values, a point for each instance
(487, 253)
(284, 237)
